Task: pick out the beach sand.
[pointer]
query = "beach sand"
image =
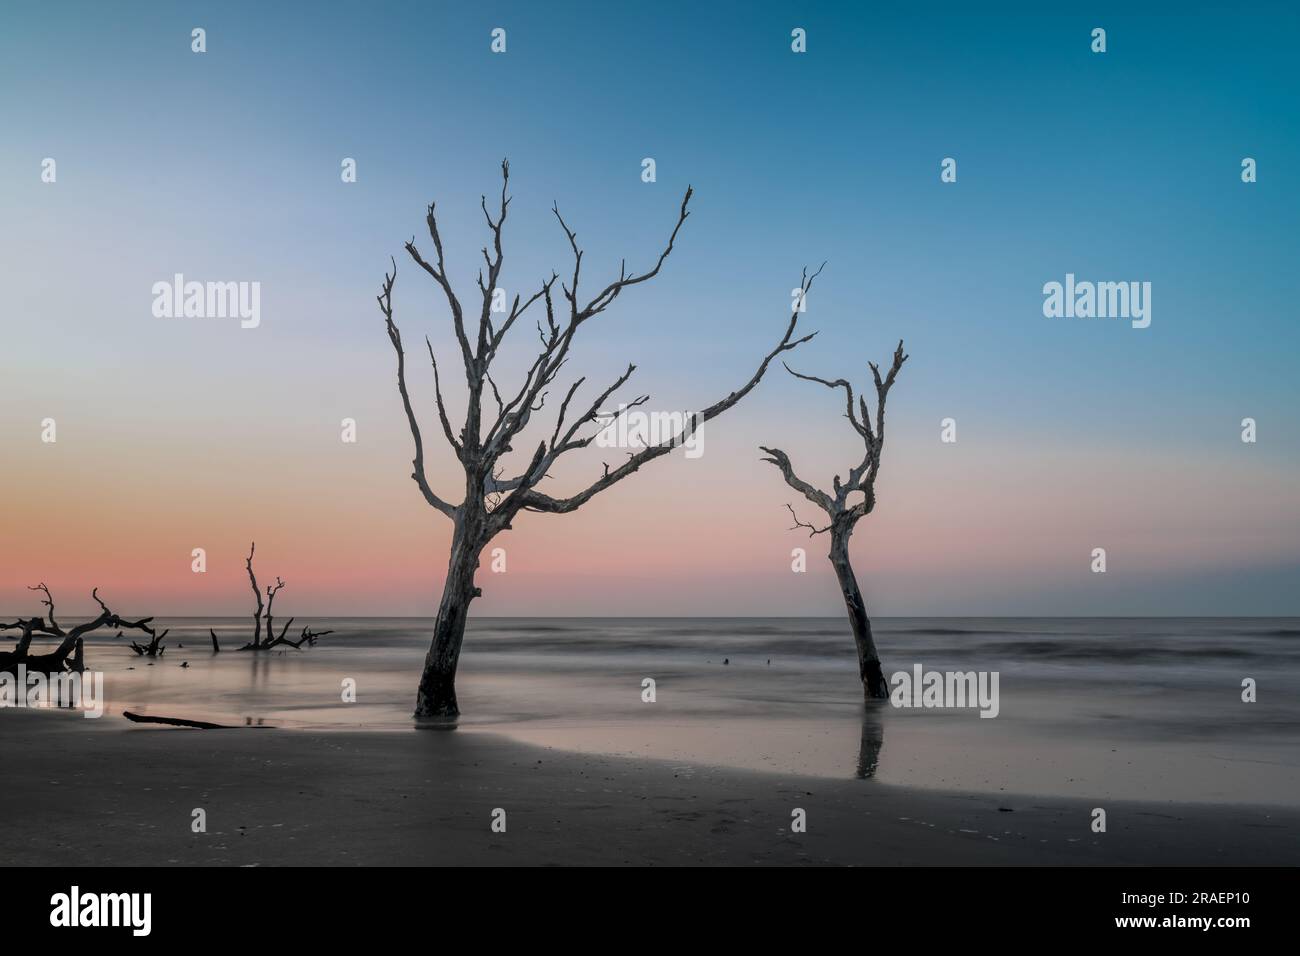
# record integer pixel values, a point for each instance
(107, 792)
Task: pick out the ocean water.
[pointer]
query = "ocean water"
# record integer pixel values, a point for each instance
(1143, 708)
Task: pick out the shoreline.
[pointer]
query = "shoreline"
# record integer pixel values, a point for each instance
(125, 796)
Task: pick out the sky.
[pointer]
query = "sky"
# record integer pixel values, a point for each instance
(1072, 434)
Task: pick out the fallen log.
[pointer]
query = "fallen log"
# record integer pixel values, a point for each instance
(175, 721)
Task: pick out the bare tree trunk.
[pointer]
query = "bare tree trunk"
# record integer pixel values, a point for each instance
(874, 685)
(257, 596)
(436, 698)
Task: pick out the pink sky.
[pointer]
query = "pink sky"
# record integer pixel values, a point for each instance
(957, 526)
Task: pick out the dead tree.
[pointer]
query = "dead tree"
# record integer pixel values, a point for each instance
(489, 502)
(153, 649)
(264, 612)
(844, 509)
(70, 642)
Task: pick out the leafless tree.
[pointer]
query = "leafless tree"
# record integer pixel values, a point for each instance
(154, 648)
(70, 641)
(490, 501)
(844, 508)
(264, 612)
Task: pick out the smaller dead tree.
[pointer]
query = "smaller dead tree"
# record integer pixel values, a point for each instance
(844, 513)
(265, 638)
(153, 649)
(69, 654)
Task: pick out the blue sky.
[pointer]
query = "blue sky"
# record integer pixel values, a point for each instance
(1118, 166)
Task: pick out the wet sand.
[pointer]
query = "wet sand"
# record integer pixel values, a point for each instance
(105, 792)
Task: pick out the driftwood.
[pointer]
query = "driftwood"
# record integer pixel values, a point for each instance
(175, 721)
(492, 499)
(263, 612)
(844, 514)
(309, 637)
(153, 649)
(70, 641)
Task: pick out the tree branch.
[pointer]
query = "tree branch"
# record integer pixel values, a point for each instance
(813, 531)
(532, 500)
(385, 300)
(439, 275)
(862, 477)
(49, 603)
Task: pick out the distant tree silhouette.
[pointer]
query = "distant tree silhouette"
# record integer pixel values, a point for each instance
(263, 612)
(69, 654)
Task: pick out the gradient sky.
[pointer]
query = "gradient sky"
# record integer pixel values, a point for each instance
(1072, 434)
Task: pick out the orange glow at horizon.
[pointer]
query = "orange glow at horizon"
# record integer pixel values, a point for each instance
(346, 529)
